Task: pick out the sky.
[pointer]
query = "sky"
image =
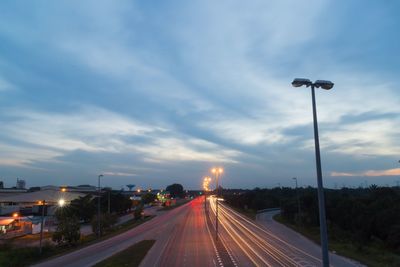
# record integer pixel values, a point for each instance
(156, 92)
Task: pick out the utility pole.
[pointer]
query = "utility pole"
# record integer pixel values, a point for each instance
(98, 207)
(298, 201)
(109, 192)
(41, 226)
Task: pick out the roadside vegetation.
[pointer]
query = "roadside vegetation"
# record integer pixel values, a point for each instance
(131, 256)
(363, 223)
(11, 255)
(67, 236)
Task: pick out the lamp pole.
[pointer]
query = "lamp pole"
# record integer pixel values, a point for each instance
(298, 200)
(98, 207)
(41, 226)
(327, 85)
(321, 197)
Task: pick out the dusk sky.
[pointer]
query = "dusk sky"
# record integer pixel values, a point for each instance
(156, 92)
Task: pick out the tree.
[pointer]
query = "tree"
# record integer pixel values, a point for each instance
(148, 198)
(138, 212)
(83, 207)
(176, 190)
(68, 228)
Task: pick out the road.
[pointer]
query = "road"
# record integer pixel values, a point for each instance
(182, 239)
(189, 242)
(297, 240)
(185, 236)
(265, 246)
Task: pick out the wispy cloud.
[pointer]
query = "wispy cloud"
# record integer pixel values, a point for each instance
(119, 174)
(369, 173)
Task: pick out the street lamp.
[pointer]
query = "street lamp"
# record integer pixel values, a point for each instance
(98, 207)
(327, 85)
(298, 200)
(61, 202)
(43, 203)
(217, 172)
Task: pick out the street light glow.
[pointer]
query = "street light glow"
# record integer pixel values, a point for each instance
(15, 214)
(61, 202)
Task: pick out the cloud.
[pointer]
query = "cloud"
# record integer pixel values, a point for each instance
(369, 173)
(96, 130)
(119, 174)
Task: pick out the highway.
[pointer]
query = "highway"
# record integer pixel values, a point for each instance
(182, 239)
(189, 242)
(185, 236)
(262, 246)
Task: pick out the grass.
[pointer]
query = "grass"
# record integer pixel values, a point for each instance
(131, 256)
(372, 255)
(18, 257)
(249, 213)
(180, 203)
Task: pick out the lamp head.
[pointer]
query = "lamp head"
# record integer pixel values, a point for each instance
(300, 82)
(327, 85)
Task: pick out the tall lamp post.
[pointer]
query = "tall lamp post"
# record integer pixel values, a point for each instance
(98, 207)
(217, 172)
(298, 200)
(327, 85)
(43, 202)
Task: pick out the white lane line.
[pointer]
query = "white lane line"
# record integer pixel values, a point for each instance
(212, 241)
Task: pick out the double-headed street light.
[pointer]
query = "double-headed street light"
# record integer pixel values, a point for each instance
(217, 172)
(327, 85)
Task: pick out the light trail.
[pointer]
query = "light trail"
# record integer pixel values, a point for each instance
(258, 244)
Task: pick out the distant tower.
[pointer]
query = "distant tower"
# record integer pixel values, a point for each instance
(20, 184)
(1, 185)
(130, 186)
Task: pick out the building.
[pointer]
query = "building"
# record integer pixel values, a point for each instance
(32, 202)
(11, 227)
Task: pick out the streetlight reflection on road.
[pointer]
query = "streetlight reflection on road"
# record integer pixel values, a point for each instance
(217, 172)
(206, 183)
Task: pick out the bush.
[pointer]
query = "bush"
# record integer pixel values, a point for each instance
(138, 212)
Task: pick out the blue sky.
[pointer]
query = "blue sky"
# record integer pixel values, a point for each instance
(155, 92)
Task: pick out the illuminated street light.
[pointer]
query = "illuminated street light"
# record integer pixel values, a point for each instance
(61, 202)
(217, 172)
(63, 189)
(327, 85)
(15, 215)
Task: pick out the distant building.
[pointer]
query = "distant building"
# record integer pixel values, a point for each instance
(21, 184)
(1, 185)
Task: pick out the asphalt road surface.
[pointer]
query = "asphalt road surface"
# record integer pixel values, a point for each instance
(185, 236)
(182, 239)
